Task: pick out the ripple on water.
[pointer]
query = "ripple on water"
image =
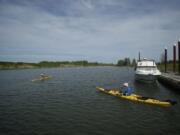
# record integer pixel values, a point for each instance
(70, 104)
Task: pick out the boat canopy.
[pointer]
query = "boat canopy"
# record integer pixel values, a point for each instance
(146, 63)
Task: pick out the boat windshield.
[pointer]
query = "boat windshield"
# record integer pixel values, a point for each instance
(147, 68)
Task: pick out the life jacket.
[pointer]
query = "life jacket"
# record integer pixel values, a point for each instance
(127, 91)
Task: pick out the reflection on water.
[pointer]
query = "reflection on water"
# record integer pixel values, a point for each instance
(150, 89)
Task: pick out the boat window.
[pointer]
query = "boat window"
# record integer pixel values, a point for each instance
(146, 66)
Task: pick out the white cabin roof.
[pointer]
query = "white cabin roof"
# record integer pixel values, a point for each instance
(146, 62)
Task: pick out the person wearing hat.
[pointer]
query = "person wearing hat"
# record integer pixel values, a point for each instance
(43, 75)
(126, 90)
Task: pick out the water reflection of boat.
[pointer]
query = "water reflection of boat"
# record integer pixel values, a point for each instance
(146, 71)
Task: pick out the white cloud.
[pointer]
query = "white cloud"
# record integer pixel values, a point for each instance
(92, 35)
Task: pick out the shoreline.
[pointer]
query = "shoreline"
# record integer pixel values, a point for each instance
(48, 64)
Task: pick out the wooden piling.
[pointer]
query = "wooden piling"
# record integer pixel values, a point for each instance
(165, 60)
(179, 56)
(174, 58)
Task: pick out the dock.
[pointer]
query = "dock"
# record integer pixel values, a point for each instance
(170, 79)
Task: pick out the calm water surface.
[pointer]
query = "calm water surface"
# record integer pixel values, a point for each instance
(69, 104)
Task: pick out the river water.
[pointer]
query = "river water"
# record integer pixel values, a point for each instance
(68, 104)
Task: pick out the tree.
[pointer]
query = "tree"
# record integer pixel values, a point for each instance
(120, 63)
(162, 58)
(133, 62)
(125, 62)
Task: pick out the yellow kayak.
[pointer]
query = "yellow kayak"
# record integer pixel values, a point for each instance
(137, 98)
(41, 78)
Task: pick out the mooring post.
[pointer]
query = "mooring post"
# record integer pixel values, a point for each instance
(165, 60)
(174, 58)
(179, 56)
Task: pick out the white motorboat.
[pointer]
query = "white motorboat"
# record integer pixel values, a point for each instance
(146, 71)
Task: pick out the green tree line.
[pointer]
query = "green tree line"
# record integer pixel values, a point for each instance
(14, 65)
(126, 62)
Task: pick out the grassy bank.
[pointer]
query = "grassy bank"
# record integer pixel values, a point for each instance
(49, 64)
(169, 67)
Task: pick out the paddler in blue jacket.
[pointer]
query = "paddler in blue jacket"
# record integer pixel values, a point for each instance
(126, 90)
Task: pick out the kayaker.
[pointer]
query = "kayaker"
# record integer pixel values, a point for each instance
(42, 75)
(126, 90)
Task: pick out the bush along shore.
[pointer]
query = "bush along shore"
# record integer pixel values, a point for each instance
(169, 67)
(49, 64)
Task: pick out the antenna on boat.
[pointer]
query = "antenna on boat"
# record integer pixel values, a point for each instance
(139, 56)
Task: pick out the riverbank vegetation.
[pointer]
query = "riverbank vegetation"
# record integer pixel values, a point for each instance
(49, 64)
(169, 67)
(126, 62)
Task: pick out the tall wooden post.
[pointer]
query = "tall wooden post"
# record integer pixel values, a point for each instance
(165, 60)
(174, 58)
(179, 56)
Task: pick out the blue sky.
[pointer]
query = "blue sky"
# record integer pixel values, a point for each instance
(93, 30)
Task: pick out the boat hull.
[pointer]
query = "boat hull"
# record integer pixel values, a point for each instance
(149, 78)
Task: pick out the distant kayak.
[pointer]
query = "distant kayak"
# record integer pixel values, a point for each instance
(138, 98)
(42, 78)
